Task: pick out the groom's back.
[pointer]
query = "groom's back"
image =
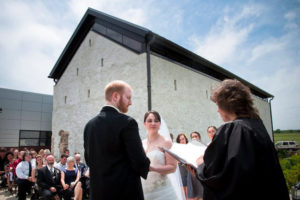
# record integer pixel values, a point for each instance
(106, 154)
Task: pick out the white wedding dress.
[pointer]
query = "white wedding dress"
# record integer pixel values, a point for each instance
(157, 186)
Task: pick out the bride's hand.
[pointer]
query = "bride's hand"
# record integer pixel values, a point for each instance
(151, 168)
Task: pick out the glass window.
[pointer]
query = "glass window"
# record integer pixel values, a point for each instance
(29, 142)
(30, 134)
(35, 138)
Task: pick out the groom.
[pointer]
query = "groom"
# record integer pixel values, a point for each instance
(113, 148)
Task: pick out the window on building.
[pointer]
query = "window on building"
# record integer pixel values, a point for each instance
(34, 138)
(175, 85)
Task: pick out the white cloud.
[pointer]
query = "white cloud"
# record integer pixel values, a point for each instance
(266, 47)
(224, 38)
(125, 9)
(30, 45)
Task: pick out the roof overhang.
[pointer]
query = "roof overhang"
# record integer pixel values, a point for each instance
(135, 38)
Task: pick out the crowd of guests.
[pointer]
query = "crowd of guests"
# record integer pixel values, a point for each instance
(39, 175)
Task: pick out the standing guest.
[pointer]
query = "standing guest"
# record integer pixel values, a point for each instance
(38, 165)
(9, 174)
(211, 130)
(16, 154)
(195, 136)
(194, 187)
(62, 164)
(16, 162)
(182, 139)
(70, 181)
(33, 155)
(67, 152)
(41, 152)
(2, 171)
(241, 162)
(79, 165)
(48, 180)
(45, 155)
(113, 148)
(23, 172)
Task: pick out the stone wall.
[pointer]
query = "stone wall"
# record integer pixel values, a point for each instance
(79, 94)
(182, 96)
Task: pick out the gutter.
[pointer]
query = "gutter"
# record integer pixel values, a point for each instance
(150, 39)
(269, 101)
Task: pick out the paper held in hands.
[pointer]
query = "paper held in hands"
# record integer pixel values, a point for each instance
(187, 153)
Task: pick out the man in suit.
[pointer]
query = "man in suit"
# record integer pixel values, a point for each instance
(78, 164)
(113, 148)
(48, 180)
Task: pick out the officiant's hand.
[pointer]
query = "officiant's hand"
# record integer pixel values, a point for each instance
(200, 160)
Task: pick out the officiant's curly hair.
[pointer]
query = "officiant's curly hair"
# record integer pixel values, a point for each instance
(234, 97)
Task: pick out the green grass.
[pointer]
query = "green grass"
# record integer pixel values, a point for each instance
(287, 136)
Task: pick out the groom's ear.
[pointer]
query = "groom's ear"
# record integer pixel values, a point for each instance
(115, 97)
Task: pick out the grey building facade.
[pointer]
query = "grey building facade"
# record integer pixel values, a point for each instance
(25, 119)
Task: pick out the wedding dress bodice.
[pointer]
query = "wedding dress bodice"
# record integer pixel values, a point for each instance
(154, 179)
(157, 186)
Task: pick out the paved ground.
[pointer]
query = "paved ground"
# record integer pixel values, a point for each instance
(5, 195)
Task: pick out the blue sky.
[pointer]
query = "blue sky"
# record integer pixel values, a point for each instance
(257, 40)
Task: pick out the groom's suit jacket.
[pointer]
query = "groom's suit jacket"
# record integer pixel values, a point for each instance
(115, 155)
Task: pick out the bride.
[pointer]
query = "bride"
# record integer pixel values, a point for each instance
(158, 185)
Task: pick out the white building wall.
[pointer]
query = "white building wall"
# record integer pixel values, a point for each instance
(119, 63)
(182, 97)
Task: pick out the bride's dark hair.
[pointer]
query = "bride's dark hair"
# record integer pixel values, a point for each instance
(155, 113)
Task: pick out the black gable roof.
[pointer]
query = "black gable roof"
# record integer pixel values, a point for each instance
(135, 38)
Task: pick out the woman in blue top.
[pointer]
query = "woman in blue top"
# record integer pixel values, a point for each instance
(70, 181)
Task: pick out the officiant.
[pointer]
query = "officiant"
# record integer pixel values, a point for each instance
(241, 161)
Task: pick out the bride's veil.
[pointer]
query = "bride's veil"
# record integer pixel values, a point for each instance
(175, 177)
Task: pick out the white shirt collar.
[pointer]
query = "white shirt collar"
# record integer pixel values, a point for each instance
(112, 107)
(49, 168)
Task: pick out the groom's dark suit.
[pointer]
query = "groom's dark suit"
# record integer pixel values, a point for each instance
(115, 155)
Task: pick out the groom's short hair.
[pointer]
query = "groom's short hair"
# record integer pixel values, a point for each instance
(115, 86)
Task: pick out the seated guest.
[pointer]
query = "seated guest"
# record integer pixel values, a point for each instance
(70, 181)
(23, 172)
(79, 165)
(62, 165)
(48, 180)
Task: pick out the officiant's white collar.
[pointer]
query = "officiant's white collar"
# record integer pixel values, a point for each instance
(113, 107)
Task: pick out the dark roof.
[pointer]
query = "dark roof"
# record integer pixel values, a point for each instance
(135, 38)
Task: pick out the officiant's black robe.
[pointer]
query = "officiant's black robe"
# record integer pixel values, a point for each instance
(241, 163)
(115, 155)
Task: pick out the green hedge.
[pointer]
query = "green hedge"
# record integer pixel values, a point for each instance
(291, 168)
